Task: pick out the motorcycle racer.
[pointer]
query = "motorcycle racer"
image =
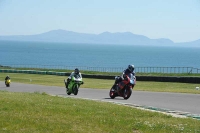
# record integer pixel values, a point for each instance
(76, 74)
(122, 79)
(7, 78)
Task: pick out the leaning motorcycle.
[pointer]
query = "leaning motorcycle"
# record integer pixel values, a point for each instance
(127, 84)
(74, 85)
(7, 82)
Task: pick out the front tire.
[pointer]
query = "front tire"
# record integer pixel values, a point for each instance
(75, 90)
(127, 93)
(7, 85)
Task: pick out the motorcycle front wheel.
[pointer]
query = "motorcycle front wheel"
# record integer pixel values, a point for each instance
(7, 85)
(75, 89)
(127, 93)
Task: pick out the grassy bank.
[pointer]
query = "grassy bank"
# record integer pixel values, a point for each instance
(38, 113)
(52, 80)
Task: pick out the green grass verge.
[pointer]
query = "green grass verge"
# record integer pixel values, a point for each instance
(38, 113)
(52, 80)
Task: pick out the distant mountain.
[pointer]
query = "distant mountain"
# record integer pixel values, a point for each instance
(103, 38)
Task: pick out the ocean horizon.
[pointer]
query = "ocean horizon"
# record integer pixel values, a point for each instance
(97, 55)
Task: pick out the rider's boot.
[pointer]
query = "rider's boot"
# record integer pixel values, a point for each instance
(118, 88)
(66, 84)
(113, 87)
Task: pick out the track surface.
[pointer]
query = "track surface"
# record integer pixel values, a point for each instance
(189, 103)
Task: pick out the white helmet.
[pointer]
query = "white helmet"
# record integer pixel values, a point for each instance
(131, 68)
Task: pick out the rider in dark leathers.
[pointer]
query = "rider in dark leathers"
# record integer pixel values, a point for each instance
(7, 78)
(129, 70)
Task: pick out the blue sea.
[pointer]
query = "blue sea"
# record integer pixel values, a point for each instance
(96, 55)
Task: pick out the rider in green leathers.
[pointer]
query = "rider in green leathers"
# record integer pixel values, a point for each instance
(76, 74)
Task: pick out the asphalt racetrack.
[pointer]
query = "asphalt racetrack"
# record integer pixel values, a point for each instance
(176, 102)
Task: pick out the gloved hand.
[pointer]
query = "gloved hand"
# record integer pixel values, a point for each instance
(125, 76)
(82, 82)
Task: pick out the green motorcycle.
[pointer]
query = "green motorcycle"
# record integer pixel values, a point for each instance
(74, 85)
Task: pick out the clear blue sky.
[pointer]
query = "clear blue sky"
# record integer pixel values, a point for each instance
(178, 20)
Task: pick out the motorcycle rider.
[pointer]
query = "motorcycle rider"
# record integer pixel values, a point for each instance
(126, 72)
(7, 78)
(76, 74)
